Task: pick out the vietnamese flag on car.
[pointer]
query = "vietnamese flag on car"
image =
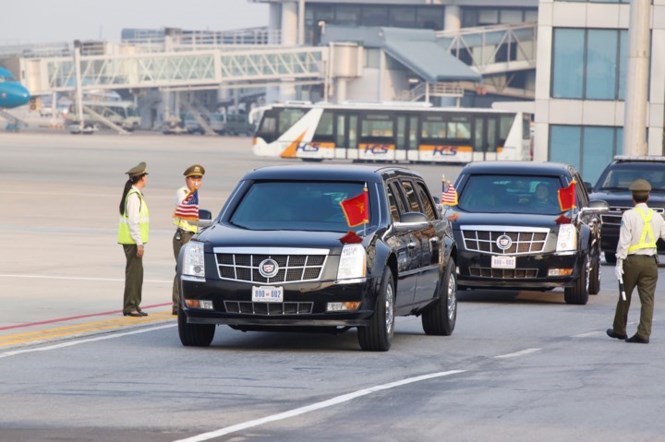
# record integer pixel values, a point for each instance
(567, 196)
(356, 209)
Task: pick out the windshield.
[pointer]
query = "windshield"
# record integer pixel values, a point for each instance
(291, 205)
(511, 194)
(620, 176)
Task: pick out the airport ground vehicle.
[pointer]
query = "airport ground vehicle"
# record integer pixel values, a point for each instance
(121, 113)
(507, 238)
(281, 256)
(391, 132)
(612, 186)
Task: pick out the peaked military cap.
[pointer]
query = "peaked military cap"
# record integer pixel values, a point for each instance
(139, 169)
(195, 170)
(640, 186)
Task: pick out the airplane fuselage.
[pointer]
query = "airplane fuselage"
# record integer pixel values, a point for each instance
(12, 93)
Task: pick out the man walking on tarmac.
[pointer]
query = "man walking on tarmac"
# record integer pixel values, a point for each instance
(185, 217)
(637, 262)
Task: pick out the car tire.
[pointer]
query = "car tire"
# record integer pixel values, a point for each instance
(378, 334)
(194, 335)
(611, 258)
(594, 276)
(439, 318)
(579, 293)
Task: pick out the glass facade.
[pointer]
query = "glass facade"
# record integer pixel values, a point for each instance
(589, 64)
(588, 148)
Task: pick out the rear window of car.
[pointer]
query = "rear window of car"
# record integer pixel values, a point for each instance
(510, 194)
(295, 205)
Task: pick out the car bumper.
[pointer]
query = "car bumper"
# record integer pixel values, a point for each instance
(531, 271)
(304, 304)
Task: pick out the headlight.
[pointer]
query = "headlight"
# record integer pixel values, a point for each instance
(193, 261)
(352, 264)
(567, 239)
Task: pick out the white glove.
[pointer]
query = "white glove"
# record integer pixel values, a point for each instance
(618, 270)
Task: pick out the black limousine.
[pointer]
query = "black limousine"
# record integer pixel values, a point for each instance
(321, 248)
(513, 234)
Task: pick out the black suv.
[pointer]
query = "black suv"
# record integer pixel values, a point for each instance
(281, 256)
(511, 232)
(612, 186)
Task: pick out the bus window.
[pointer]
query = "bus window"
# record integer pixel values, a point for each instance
(288, 117)
(268, 127)
(478, 136)
(413, 133)
(340, 131)
(324, 130)
(376, 126)
(492, 139)
(353, 131)
(505, 123)
(459, 130)
(526, 127)
(433, 128)
(401, 133)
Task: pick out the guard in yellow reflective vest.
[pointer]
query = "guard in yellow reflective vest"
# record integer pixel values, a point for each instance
(133, 236)
(637, 262)
(185, 216)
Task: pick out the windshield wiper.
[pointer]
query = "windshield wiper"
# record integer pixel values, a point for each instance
(615, 188)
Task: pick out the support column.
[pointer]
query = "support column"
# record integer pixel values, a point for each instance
(637, 81)
(275, 23)
(453, 18)
(289, 23)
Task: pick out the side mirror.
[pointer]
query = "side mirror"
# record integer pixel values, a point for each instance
(205, 218)
(411, 220)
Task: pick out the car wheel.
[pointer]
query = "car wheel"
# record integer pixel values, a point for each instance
(594, 276)
(194, 335)
(439, 318)
(579, 293)
(377, 336)
(610, 258)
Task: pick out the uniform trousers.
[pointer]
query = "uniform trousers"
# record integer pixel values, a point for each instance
(180, 238)
(133, 279)
(639, 271)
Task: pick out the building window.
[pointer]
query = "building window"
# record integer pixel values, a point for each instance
(588, 148)
(589, 64)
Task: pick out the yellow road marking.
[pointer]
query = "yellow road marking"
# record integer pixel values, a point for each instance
(82, 329)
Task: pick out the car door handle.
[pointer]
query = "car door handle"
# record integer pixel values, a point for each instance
(411, 245)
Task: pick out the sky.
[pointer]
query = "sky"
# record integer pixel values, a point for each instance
(54, 21)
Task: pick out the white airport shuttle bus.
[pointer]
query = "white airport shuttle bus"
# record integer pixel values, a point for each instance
(391, 132)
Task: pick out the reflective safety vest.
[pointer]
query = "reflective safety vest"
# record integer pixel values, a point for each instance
(646, 230)
(124, 236)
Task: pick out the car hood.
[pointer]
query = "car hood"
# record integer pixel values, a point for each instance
(221, 235)
(625, 198)
(504, 219)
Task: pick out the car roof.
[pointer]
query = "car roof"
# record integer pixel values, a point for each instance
(518, 167)
(326, 172)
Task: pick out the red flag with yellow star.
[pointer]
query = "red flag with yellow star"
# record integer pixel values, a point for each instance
(356, 209)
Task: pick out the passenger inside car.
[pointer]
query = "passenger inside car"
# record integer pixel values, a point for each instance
(544, 198)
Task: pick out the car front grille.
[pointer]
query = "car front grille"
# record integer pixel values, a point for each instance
(513, 240)
(613, 216)
(294, 265)
(487, 272)
(269, 308)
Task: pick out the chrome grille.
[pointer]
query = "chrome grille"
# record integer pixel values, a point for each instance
(487, 272)
(523, 240)
(269, 308)
(613, 216)
(295, 265)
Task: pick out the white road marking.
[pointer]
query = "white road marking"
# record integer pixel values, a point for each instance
(316, 406)
(518, 353)
(79, 278)
(83, 341)
(587, 334)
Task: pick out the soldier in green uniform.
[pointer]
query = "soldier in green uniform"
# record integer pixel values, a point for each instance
(184, 219)
(133, 235)
(637, 262)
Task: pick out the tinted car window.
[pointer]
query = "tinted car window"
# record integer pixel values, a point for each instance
(511, 194)
(426, 201)
(299, 205)
(411, 197)
(392, 201)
